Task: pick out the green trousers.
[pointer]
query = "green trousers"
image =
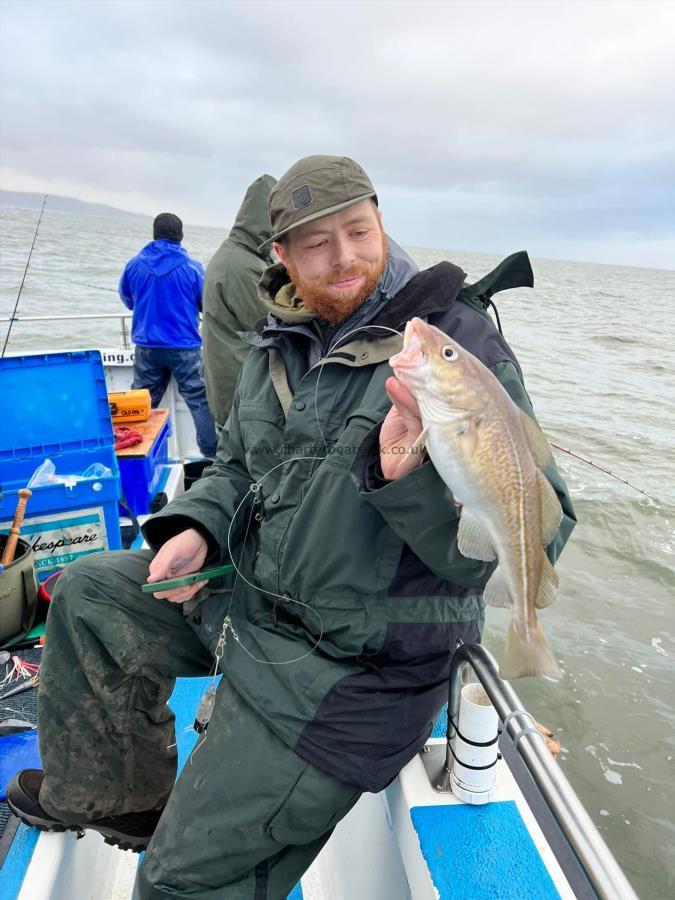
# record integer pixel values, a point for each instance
(247, 815)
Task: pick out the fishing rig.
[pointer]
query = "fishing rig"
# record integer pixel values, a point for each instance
(20, 671)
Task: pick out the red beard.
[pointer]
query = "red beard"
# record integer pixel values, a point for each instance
(337, 309)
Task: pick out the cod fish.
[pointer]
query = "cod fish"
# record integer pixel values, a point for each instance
(490, 454)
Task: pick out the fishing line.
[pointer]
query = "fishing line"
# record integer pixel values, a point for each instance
(96, 287)
(227, 622)
(606, 471)
(18, 296)
(208, 699)
(253, 491)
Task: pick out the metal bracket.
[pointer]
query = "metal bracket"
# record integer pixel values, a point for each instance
(433, 757)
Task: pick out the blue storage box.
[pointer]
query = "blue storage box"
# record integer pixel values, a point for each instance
(55, 406)
(143, 468)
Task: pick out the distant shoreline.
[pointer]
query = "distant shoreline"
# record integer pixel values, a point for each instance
(30, 200)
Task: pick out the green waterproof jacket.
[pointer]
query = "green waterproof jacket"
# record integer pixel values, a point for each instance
(353, 591)
(230, 298)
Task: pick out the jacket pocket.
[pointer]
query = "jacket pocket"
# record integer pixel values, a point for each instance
(262, 434)
(314, 806)
(358, 425)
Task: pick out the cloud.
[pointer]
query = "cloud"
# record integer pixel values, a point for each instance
(553, 118)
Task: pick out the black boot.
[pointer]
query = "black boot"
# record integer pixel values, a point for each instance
(129, 831)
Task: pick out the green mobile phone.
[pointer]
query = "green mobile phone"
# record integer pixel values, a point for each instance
(183, 580)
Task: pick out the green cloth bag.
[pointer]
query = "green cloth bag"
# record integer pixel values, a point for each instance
(18, 593)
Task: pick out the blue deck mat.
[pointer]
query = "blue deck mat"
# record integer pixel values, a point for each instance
(441, 724)
(16, 862)
(17, 752)
(481, 852)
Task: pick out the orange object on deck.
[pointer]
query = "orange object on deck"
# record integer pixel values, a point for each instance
(130, 406)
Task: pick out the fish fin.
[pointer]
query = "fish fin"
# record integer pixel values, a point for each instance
(551, 510)
(528, 657)
(467, 429)
(548, 586)
(496, 592)
(473, 540)
(419, 442)
(539, 445)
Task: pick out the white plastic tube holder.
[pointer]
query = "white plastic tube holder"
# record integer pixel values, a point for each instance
(474, 747)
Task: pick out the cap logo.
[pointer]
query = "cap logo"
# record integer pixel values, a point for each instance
(302, 197)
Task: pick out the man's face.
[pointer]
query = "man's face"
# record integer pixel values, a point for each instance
(335, 262)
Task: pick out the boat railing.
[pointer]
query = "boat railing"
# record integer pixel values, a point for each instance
(589, 850)
(122, 317)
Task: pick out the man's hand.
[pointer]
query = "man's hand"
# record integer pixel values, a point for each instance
(552, 744)
(400, 429)
(181, 555)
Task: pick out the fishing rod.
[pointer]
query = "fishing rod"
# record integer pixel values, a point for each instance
(606, 471)
(25, 271)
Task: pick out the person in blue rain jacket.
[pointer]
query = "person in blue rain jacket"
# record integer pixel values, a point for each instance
(163, 287)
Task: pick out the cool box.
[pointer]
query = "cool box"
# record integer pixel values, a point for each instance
(55, 406)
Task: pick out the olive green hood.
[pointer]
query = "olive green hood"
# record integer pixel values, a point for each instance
(230, 301)
(252, 225)
(278, 295)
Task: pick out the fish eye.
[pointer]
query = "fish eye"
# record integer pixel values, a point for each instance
(449, 352)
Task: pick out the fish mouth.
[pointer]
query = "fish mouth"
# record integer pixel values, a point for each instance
(413, 355)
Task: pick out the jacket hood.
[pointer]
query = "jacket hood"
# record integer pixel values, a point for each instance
(277, 294)
(252, 225)
(161, 257)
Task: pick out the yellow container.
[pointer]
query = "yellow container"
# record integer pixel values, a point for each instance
(129, 406)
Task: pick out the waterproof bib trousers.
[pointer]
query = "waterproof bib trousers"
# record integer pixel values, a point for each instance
(247, 815)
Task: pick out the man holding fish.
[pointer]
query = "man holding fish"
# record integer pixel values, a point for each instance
(368, 516)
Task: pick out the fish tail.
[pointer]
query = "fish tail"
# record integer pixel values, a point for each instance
(531, 656)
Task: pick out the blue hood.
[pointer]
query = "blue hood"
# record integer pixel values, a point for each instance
(163, 286)
(162, 256)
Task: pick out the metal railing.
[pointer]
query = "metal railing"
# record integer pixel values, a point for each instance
(123, 317)
(592, 854)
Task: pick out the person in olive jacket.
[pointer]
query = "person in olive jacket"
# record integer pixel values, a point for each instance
(230, 298)
(335, 637)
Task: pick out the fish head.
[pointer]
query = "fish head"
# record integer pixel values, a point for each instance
(441, 375)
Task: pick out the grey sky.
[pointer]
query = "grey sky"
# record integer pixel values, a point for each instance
(485, 126)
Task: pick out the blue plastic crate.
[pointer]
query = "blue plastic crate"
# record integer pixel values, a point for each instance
(55, 406)
(142, 475)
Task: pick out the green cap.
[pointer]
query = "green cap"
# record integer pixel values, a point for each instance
(314, 187)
